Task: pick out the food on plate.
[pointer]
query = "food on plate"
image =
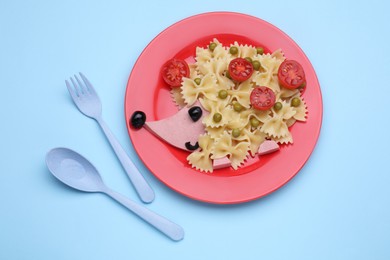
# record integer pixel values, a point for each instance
(174, 70)
(291, 74)
(262, 98)
(180, 130)
(240, 69)
(138, 119)
(235, 102)
(221, 163)
(268, 146)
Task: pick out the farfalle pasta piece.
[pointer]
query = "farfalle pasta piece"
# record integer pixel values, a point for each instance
(286, 112)
(268, 74)
(192, 91)
(279, 55)
(178, 97)
(242, 93)
(224, 147)
(193, 71)
(220, 51)
(261, 115)
(236, 120)
(204, 55)
(215, 132)
(255, 139)
(215, 107)
(290, 122)
(274, 83)
(301, 111)
(286, 93)
(200, 159)
(288, 139)
(244, 50)
(270, 63)
(218, 68)
(275, 127)
(266, 79)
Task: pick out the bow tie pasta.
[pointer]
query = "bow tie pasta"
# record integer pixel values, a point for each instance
(236, 127)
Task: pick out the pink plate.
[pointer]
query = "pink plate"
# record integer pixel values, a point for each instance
(147, 92)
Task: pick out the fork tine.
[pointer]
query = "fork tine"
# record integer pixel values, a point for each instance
(81, 85)
(78, 92)
(88, 84)
(71, 90)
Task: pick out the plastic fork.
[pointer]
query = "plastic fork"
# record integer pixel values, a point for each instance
(88, 102)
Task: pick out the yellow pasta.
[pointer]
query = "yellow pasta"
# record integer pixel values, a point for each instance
(241, 93)
(224, 147)
(215, 107)
(211, 67)
(191, 91)
(201, 159)
(301, 111)
(178, 97)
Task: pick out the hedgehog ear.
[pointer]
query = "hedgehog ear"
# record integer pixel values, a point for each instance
(195, 113)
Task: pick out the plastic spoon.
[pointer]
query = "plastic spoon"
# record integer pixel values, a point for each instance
(77, 172)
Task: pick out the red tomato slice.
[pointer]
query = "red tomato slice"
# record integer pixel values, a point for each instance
(173, 71)
(240, 69)
(262, 98)
(291, 74)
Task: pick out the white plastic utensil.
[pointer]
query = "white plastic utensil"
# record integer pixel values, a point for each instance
(77, 172)
(88, 102)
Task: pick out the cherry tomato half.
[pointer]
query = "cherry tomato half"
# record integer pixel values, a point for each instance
(262, 98)
(291, 74)
(173, 71)
(240, 69)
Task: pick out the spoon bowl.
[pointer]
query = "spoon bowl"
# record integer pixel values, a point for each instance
(74, 170)
(77, 172)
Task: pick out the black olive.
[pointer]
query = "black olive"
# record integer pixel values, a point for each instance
(195, 113)
(191, 147)
(138, 119)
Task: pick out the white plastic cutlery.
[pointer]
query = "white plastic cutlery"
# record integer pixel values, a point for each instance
(88, 102)
(77, 172)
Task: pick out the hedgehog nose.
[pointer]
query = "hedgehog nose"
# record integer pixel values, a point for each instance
(138, 119)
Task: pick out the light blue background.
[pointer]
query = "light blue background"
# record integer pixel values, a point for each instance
(337, 207)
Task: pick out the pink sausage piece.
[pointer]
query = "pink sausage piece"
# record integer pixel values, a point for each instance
(221, 163)
(268, 146)
(178, 129)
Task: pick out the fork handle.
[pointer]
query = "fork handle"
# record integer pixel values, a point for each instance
(144, 191)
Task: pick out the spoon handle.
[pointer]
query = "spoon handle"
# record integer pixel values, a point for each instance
(172, 230)
(144, 191)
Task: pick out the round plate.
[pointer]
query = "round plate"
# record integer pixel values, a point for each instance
(147, 92)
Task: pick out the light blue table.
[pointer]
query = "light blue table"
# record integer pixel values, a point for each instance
(337, 207)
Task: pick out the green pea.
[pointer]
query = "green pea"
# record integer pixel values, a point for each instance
(260, 50)
(227, 74)
(197, 81)
(295, 102)
(278, 106)
(212, 46)
(255, 122)
(222, 94)
(236, 132)
(237, 107)
(249, 59)
(233, 50)
(256, 65)
(217, 117)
